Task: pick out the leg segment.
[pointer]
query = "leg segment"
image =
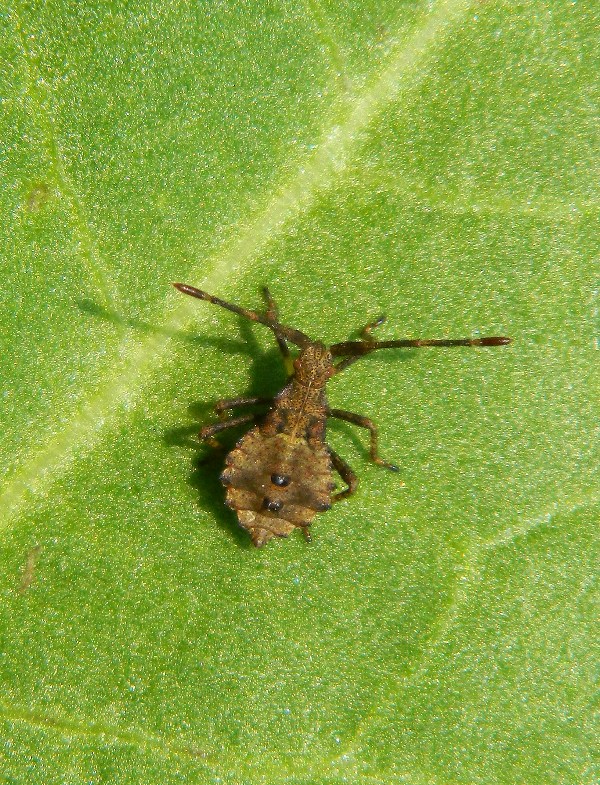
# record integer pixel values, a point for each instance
(347, 476)
(208, 431)
(365, 333)
(364, 422)
(366, 336)
(233, 403)
(273, 315)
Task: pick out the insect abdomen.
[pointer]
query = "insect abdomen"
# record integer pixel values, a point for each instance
(276, 483)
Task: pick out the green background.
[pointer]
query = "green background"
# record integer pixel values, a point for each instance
(437, 162)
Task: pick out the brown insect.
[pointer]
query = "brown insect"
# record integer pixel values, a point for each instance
(279, 475)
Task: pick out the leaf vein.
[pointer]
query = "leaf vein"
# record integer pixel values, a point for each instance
(468, 578)
(40, 111)
(69, 727)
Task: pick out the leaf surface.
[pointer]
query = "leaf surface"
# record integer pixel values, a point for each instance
(436, 162)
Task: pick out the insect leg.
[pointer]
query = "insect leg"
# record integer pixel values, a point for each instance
(346, 474)
(364, 422)
(365, 333)
(233, 403)
(273, 315)
(306, 534)
(367, 338)
(208, 431)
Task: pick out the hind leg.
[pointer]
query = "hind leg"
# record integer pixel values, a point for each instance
(347, 475)
(364, 422)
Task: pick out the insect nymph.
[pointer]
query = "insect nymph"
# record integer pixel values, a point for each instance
(280, 474)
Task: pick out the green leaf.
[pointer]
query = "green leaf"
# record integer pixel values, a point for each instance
(436, 162)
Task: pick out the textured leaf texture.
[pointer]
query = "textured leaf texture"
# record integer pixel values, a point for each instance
(433, 161)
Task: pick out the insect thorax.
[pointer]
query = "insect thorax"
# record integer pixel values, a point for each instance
(300, 409)
(314, 366)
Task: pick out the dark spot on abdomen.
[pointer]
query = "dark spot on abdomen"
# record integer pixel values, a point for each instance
(272, 506)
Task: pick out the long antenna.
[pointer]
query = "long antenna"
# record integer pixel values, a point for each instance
(364, 347)
(354, 350)
(295, 336)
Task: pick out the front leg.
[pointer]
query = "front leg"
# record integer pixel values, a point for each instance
(364, 422)
(232, 403)
(367, 337)
(207, 432)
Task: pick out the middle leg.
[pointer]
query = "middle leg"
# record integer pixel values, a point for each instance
(347, 475)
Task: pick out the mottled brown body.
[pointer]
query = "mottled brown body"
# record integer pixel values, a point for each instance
(280, 474)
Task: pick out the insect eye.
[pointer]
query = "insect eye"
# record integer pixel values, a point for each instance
(272, 506)
(281, 480)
